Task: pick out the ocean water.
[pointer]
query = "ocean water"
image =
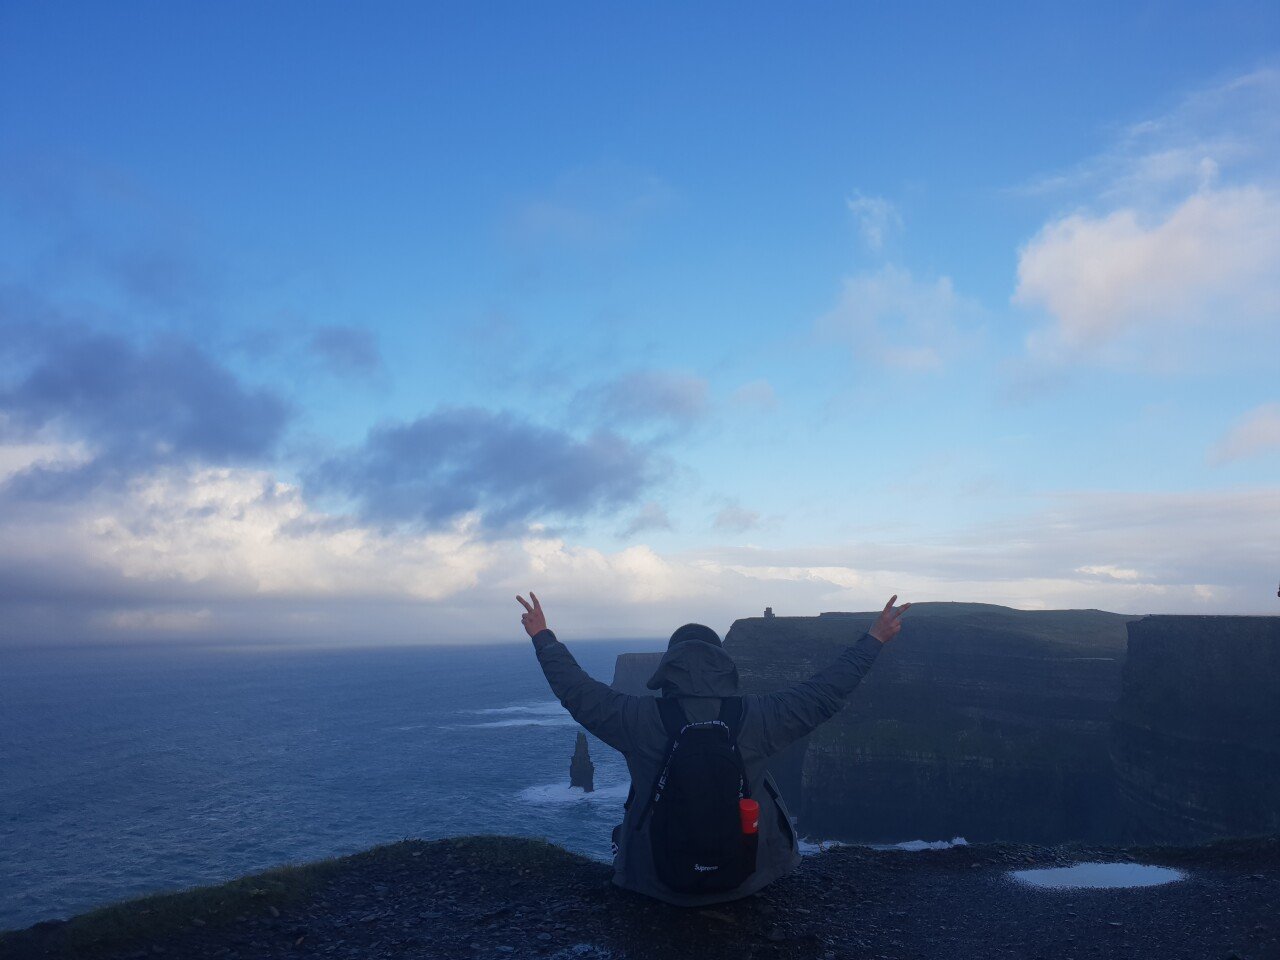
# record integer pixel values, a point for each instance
(137, 769)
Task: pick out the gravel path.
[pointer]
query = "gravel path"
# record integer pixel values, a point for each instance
(492, 897)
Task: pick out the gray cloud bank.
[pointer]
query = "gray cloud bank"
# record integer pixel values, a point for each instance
(459, 459)
(134, 406)
(139, 496)
(184, 532)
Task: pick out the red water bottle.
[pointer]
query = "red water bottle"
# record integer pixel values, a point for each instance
(749, 813)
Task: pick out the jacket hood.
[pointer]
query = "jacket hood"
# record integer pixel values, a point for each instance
(693, 668)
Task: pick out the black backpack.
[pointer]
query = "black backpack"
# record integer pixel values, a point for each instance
(696, 836)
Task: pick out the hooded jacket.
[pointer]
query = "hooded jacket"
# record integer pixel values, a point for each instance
(699, 674)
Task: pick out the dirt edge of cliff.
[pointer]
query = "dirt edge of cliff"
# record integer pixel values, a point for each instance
(496, 896)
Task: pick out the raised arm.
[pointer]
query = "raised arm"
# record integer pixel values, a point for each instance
(606, 713)
(775, 720)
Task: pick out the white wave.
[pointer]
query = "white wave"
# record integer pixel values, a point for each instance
(563, 793)
(922, 844)
(1098, 876)
(522, 722)
(531, 713)
(818, 846)
(536, 707)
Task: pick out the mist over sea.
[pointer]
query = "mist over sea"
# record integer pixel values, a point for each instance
(136, 769)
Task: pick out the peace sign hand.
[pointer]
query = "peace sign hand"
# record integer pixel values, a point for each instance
(889, 622)
(533, 620)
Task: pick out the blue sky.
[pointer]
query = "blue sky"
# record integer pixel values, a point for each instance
(349, 325)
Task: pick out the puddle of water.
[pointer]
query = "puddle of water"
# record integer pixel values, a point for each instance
(1098, 876)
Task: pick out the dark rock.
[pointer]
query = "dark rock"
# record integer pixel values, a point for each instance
(581, 769)
(917, 905)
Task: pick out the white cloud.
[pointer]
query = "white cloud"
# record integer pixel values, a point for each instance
(587, 576)
(890, 318)
(1257, 432)
(1232, 125)
(49, 455)
(1171, 255)
(1109, 570)
(1201, 551)
(877, 219)
(242, 531)
(234, 552)
(170, 549)
(1214, 261)
(844, 577)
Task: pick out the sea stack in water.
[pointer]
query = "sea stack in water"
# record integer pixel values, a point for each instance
(581, 770)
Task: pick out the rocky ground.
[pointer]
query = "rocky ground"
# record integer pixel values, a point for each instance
(498, 897)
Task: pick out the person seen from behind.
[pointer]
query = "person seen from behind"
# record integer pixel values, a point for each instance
(704, 822)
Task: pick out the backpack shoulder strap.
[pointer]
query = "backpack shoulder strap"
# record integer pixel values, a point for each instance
(731, 715)
(673, 716)
(673, 720)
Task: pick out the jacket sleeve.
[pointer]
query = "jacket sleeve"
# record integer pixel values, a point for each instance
(787, 715)
(606, 713)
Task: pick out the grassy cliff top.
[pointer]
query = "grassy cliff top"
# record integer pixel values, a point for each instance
(929, 629)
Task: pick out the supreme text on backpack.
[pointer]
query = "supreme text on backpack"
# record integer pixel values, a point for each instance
(697, 836)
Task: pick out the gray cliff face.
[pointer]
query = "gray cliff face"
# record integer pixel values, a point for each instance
(1036, 726)
(631, 671)
(581, 770)
(1196, 740)
(978, 720)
